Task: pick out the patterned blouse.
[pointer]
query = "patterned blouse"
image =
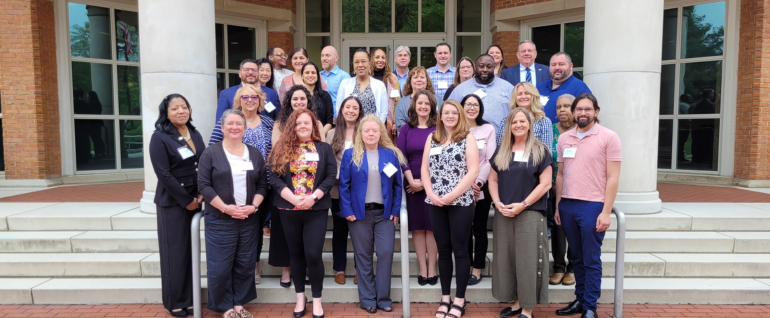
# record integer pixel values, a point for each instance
(447, 169)
(366, 97)
(259, 137)
(303, 171)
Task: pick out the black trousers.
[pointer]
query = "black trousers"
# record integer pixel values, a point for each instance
(305, 231)
(279, 249)
(264, 213)
(452, 228)
(175, 256)
(479, 238)
(559, 247)
(339, 238)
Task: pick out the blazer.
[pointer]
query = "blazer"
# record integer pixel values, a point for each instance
(348, 86)
(325, 177)
(215, 177)
(226, 97)
(177, 177)
(513, 74)
(353, 182)
(324, 107)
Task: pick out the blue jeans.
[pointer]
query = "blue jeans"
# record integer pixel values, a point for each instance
(578, 218)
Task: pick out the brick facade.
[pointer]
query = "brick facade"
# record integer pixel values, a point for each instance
(29, 90)
(752, 126)
(284, 40)
(509, 42)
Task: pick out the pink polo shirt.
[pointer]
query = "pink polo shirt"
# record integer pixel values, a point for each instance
(585, 176)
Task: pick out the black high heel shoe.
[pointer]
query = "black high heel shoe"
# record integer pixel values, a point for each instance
(180, 313)
(422, 280)
(433, 280)
(285, 284)
(298, 314)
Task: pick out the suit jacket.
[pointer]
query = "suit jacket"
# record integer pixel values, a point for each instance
(513, 74)
(216, 178)
(325, 177)
(177, 177)
(226, 101)
(353, 182)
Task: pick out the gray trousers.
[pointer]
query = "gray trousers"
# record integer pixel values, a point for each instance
(366, 234)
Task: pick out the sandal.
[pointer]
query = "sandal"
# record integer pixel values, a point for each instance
(461, 309)
(442, 313)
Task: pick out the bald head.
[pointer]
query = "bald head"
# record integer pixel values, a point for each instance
(329, 58)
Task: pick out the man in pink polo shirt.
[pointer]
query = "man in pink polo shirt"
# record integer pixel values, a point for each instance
(586, 186)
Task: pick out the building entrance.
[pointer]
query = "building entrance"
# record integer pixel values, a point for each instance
(422, 51)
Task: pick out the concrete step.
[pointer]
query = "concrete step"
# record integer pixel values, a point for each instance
(70, 216)
(69, 291)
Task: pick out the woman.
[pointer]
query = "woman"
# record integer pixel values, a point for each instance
(464, 72)
(451, 153)
(298, 57)
(298, 97)
(265, 73)
(562, 271)
(416, 81)
(341, 138)
(321, 98)
(411, 142)
(233, 180)
(302, 171)
(372, 93)
(175, 149)
(497, 54)
(381, 71)
(526, 96)
(370, 197)
(518, 182)
(484, 133)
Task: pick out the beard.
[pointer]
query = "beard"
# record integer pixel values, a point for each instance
(583, 123)
(482, 80)
(561, 76)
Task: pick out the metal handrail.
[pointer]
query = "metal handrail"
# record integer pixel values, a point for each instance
(620, 249)
(404, 231)
(195, 227)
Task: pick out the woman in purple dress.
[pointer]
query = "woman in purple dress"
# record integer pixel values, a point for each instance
(411, 142)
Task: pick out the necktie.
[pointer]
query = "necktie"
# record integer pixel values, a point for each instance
(529, 76)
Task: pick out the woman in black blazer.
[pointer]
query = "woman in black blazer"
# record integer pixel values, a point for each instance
(302, 171)
(233, 180)
(175, 150)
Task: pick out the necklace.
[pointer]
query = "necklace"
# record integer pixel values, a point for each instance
(248, 122)
(186, 136)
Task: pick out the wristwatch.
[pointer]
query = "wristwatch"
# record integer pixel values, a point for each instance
(315, 198)
(526, 205)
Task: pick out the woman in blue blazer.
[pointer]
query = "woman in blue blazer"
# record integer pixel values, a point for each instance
(370, 199)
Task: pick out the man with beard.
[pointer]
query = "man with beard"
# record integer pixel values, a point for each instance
(248, 73)
(278, 57)
(494, 91)
(562, 82)
(331, 73)
(586, 186)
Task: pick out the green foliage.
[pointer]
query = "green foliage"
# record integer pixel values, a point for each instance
(703, 39)
(574, 39)
(406, 16)
(379, 16)
(80, 40)
(353, 16)
(433, 12)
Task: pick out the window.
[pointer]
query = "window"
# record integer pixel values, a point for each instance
(106, 105)
(468, 41)
(233, 44)
(563, 37)
(388, 16)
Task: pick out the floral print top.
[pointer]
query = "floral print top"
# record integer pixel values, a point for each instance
(303, 171)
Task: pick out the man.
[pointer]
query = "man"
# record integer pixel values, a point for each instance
(494, 92)
(527, 70)
(403, 57)
(562, 82)
(332, 74)
(442, 75)
(248, 74)
(278, 57)
(586, 186)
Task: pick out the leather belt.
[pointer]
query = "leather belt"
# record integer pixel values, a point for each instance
(374, 206)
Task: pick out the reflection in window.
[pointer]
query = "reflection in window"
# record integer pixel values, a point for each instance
(432, 15)
(379, 16)
(353, 16)
(131, 150)
(665, 133)
(127, 35)
(94, 144)
(92, 88)
(468, 16)
(703, 82)
(317, 16)
(573, 42)
(548, 41)
(129, 95)
(669, 34)
(469, 46)
(667, 78)
(428, 56)
(698, 142)
(89, 31)
(220, 82)
(241, 45)
(703, 30)
(233, 79)
(413, 57)
(406, 16)
(220, 42)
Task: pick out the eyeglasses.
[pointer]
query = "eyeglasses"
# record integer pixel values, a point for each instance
(249, 97)
(471, 105)
(250, 70)
(584, 110)
(283, 55)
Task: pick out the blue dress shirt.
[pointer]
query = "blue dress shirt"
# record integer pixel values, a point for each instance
(333, 80)
(401, 80)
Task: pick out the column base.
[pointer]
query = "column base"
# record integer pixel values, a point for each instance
(147, 204)
(638, 203)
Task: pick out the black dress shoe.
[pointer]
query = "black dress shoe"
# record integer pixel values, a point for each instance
(386, 308)
(433, 280)
(181, 313)
(318, 316)
(508, 312)
(574, 308)
(298, 314)
(190, 311)
(589, 314)
(421, 280)
(285, 284)
(474, 280)
(371, 310)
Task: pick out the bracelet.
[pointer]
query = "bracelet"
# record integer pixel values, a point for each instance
(225, 208)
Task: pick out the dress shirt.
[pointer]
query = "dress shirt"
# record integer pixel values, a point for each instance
(401, 79)
(333, 80)
(496, 101)
(523, 73)
(437, 76)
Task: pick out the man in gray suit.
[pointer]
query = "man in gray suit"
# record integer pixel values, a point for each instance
(527, 70)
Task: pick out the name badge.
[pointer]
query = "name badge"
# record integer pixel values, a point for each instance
(269, 107)
(311, 157)
(480, 93)
(543, 100)
(569, 152)
(185, 152)
(389, 169)
(394, 93)
(518, 156)
(443, 85)
(435, 151)
(242, 166)
(481, 143)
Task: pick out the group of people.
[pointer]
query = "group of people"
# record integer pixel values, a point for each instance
(451, 141)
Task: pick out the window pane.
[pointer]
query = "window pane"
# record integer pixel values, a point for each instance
(573, 42)
(233, 79)
(92, 88)
(379, 16)
(317, 15)
(406, 15)
(220, 83)
(548, 41)
(578, 74)
(220, 45)
(667, 78)
(468, 16)
(428, 57)
(94, 144)
(241, 45)
(702, 81)
(432, 15)
(669, 34)
(131, 151)
(699, 141)
(129, 93)
(703, 30)
(469, 46)
(2, 153)
(314, 45)
(127, 35)
(413, 57)
(665, 133)
(353, 16)
(89, 31)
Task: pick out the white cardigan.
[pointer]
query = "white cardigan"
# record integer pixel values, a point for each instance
(347, 86)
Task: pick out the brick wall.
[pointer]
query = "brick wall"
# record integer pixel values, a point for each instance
(509, 42)
(752, 127)
(284, 40)
(28, 85)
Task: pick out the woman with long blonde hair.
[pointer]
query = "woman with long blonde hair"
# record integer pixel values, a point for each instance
(525, 95)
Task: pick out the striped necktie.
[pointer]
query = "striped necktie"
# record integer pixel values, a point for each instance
(529, 76)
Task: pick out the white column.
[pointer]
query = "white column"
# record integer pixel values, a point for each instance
(177, 44)
(623, 43)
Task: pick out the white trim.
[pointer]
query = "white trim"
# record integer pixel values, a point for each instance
(66, 129)
(729, 87)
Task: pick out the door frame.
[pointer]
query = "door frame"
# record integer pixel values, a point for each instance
(391, 45)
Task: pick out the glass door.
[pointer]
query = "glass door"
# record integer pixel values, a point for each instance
(349, 48)
(422, 51)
